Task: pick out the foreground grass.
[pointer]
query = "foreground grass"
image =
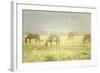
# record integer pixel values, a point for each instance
(67, 50)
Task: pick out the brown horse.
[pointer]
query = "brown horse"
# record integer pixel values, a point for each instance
(36, 37)
(51, 39)
(86, 38)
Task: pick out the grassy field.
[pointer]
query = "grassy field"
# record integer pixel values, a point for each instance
(72, 49)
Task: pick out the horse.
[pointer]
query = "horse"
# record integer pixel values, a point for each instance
(70, 35)
(51, 39)
(86, 38)
(36, 37)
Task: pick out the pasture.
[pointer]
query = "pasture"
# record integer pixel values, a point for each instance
(72, 49)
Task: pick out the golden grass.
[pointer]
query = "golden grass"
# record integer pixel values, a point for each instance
(72, 49)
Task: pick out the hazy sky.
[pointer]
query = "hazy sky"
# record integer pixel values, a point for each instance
(39, 21)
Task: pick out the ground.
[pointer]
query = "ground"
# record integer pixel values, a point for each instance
(72, 49)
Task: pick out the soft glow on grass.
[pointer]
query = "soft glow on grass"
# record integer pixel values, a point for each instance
(72, 49)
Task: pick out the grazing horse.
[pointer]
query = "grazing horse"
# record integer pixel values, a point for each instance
(70, 35)
(36, 37)
(51, 39)
(86, 38)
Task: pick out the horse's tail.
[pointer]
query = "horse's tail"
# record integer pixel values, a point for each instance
(26, 40)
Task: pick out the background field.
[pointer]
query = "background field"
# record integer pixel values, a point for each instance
(72, 49)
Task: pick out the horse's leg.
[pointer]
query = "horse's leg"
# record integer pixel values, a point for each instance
(50, 43)
(56, 42)
(90, 40)
(36, 40)
(68, 37)
(72, 36)
(46, 43)
(87, 40)
(30, 40)
(83, 40)
(26, 39)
